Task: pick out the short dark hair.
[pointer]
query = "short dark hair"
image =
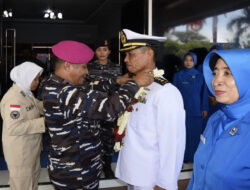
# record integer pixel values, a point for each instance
(155, 50)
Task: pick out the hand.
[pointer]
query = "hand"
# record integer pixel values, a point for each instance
(204, 114)
(144, 78)
(212, 101)
(123, 79)
(158, 188)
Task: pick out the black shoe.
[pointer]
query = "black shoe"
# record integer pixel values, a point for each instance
(109, 174)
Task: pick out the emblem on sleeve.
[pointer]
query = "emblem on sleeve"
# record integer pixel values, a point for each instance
(14, 114)
(15, 107)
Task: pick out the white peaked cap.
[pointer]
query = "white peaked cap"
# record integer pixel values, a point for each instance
(132, 40)
(133, 35)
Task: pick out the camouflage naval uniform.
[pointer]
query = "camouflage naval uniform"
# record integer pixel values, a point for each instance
(100, 72)
(70, 115)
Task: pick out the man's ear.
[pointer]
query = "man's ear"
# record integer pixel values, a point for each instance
(150, 52)
(66, 66)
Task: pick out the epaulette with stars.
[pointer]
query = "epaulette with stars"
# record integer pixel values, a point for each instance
(160, 80)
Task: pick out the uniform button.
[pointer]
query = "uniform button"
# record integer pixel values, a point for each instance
(202, 167)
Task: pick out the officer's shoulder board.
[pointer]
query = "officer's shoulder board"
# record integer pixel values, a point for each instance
(160, 80)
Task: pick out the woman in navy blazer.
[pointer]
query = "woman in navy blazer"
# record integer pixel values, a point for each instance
(222, 160)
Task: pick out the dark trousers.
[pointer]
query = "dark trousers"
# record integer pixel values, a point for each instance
(107, 139)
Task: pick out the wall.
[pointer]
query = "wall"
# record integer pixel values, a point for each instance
(38, 31)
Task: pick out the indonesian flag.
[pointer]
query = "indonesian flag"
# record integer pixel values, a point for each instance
(15, 107)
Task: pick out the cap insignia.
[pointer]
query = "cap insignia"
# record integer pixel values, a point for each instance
(123, 38)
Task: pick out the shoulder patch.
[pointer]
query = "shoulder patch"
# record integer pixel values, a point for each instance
(14, 114)
(160, 80)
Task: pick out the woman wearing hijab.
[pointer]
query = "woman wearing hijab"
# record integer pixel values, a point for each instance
(222, 158)
(23, 127)
(190, 82)
(213, 104)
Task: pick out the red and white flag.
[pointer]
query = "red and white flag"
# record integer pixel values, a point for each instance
(15, 107)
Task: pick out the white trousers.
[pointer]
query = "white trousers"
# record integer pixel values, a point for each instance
(132, 187)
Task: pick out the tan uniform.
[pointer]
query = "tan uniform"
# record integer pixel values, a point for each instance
(22, 137)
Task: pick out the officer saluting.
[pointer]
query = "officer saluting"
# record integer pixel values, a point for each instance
(154, 143)
(70, 114)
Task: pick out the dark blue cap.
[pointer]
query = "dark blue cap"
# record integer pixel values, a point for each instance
(101, 43)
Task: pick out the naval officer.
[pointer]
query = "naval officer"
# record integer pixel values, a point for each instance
(154, 142)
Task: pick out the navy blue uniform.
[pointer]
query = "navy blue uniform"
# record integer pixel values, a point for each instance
(71, 113)
(101, 72)
(191, 84)
(222, 161)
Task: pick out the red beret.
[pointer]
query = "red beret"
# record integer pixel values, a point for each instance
(73, 52)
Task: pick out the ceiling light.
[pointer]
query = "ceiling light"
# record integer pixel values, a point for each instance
(10, 14)
(46, 15)
(59, 15)
(7, 13)
(52, 14)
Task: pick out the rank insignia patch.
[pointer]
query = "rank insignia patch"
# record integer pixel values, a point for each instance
(15, 114)
(160, 80)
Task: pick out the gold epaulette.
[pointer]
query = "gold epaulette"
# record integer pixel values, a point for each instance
(160, 80)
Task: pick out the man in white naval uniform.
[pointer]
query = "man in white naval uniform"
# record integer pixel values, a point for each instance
(154, 142)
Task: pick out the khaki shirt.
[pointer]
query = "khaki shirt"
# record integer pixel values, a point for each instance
(22, 129)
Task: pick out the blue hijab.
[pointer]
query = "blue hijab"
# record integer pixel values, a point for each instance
(191, 71)
(217, 47)
(238, 60)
